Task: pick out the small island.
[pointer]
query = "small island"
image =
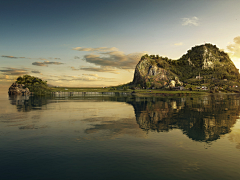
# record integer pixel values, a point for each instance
(27, 85)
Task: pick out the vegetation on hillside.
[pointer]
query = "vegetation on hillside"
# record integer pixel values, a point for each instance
(34, 84)
(223, 74)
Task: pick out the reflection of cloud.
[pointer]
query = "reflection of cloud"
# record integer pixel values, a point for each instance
(95, 49)
(190, 21)
(45, 63)
(32, 127)
(116, 59)
(234, 136)
(14, 71)
(113, 129)
(234, 48)
(97, 69)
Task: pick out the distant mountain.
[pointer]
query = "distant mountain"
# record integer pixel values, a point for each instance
(205, 60)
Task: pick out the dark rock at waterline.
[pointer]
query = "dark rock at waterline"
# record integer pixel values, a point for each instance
(18, 89)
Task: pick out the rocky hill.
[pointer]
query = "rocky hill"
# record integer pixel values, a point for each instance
(28, 84)
(205, 60)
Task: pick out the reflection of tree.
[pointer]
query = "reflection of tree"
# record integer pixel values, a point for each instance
(201, 119)
(28, 103)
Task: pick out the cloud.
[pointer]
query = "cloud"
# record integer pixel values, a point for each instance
(74, 69)
(108, 58)
(95, 49)
(190, 21)
(95, 75)
(115, 59)
(38, 64)
(97, 69)
(76, 57)
(55, 63)
(89, 78)
(7, 77)
(84, 77)
(37, 72)
(14, 71)
(13, 57)
(234, 48)
(45, 63)
(178, 44)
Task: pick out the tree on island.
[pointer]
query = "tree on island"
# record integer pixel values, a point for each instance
(34, 84)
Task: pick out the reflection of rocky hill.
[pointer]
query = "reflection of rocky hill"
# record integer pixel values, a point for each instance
(201, 119)
(28, 103)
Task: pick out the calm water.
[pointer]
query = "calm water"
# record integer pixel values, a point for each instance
(119, 137)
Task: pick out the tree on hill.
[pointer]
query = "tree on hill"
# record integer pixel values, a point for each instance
(34, 84)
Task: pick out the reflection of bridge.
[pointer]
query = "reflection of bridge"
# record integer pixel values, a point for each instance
(202, 118)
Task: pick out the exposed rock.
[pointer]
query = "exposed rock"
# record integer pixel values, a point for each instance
(207, 60)
(147, 73)
(190, 62)
(172, 83)
(18, 89)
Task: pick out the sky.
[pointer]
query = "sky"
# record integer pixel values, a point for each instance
(95, 43)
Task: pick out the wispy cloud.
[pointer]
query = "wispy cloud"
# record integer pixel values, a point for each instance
(97, 69)
(178, 44)
(234, 48)
(194, 21)
(76, 57)
(38, 64)
(46, 63)
(36, 72)
(103, 49)
(89, 78)
(84, 77)
(7, 77)
(14, 71)
(13, 57)
(95, 75)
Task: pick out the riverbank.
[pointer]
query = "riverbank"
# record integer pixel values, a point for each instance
(139, 92)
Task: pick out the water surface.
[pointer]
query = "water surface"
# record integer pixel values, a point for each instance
(116, 136)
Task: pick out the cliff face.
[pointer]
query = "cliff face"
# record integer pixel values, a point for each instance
(149, 74)
(18, 89)
(206, 56)
(207, 59)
